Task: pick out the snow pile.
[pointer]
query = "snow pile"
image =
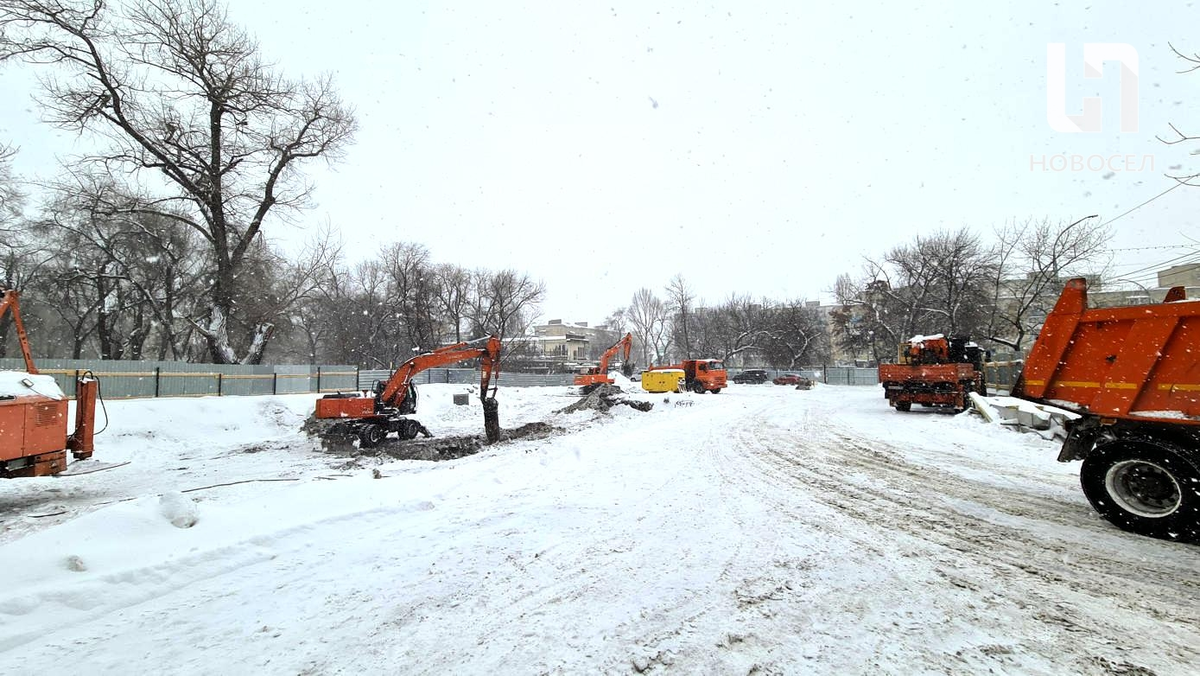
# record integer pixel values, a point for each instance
(179, 509)
(23, 384)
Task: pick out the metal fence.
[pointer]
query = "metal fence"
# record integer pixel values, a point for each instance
(850, 375)
(1000, 376)
(130, 379)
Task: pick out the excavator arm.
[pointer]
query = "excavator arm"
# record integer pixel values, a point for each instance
(9, 303)
(395, 390)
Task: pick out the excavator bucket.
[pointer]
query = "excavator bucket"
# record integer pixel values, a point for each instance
(491, 419)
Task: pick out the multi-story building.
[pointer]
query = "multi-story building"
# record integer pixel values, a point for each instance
(559, 346)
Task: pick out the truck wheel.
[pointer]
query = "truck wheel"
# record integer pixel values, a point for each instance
(371, 435)
(1144, 486)
(698, 387)
(903, 406)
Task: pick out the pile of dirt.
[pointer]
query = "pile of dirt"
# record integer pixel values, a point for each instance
(603, 398)
(433, 449)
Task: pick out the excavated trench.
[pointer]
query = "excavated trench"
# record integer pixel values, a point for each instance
(601, 399)
(434, 448)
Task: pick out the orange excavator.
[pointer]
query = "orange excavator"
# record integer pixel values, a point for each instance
(33, 413)
(370, 417)
(595, 376)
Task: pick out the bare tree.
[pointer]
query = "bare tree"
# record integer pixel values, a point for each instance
(1032, 261)
(413, 294)
(651, 323)
(22, 257)
(503, 302)
(795, 335)
(937, 284)
(454, 296)
(12, 197)
(733, 328)
(178, 91)
(681, 300)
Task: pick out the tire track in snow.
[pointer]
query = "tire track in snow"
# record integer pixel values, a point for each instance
(1052, 560)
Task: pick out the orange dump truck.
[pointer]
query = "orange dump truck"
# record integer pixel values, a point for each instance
(1133, 373)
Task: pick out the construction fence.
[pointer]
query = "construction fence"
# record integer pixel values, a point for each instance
(133, 379)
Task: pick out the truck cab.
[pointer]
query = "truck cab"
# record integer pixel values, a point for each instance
(704, 375)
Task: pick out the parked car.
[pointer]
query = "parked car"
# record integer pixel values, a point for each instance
(789, 379)
(751, 377)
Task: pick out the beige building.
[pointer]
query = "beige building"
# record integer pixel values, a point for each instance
(1187, 276)
(576, 342)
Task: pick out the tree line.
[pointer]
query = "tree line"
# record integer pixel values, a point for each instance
(995, 291)
(742, 329)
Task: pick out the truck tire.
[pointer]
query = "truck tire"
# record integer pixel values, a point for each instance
(1144, 486)
(371, 435)
(903, 406)
(698, 387)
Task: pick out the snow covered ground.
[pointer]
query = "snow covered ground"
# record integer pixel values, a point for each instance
(761, 530)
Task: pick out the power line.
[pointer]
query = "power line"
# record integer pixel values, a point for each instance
(1143, 203)
(1149, 248)
(1185, 258)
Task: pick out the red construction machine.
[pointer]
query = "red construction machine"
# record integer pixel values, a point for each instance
(33, 413)
(1133, 375)
(595, 376)
(934, 371)
(370, 417)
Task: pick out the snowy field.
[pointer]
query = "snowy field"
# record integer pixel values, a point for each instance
(761, 530)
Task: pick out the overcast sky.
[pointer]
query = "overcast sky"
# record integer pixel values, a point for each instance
(606, 147)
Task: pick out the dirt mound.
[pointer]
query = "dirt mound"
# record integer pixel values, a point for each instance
(433, 449)
(603, 398)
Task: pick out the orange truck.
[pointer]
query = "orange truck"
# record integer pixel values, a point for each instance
(33, 413)
(700, 375)
(1133, 375)
(934, 371)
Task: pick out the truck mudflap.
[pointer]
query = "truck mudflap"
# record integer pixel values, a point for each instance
(1081, 438)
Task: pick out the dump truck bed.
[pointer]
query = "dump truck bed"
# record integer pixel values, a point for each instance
(1138, 363)
(926, 373)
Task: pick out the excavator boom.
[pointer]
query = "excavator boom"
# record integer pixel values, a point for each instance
(396, 388)
(9, 303)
